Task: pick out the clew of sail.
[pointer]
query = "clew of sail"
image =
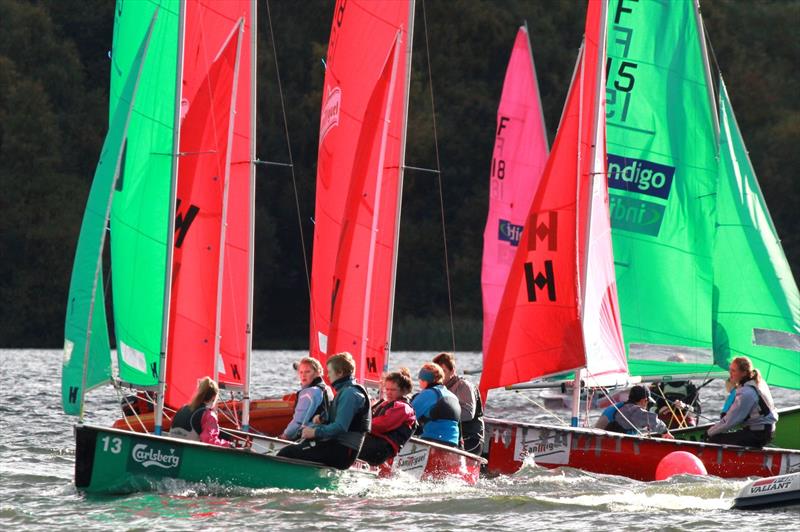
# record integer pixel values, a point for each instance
(662, 182)
(359, 177)
(205, 139)
(140, 214)
(520, 153)
(87, 354)
(756, 302)
(538, 331)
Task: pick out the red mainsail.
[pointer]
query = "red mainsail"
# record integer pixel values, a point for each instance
(211, 53)
(538, 331)
(520, 153)
(359, 178)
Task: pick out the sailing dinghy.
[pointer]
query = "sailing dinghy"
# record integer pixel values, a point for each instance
(554, 262)
(177, 138)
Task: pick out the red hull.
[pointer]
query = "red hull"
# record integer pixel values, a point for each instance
(426, 460)
(609, 453)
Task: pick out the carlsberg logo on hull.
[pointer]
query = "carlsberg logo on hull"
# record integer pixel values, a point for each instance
(640, 176)
(149, 457)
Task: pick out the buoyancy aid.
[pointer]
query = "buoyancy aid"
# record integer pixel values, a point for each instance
(362, 420)
(446, 408)
(187, 423)
(327, 397)
(474, 425)
(766, 405)
(401, 434)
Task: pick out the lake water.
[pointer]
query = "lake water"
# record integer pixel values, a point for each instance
(37, 460)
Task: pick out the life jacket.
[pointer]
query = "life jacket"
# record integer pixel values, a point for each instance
(362, 420)
(684, 391)
(474, 425)
(187, 423)
(766, 405)
(446, 408)
(613, 424)
(327, 397)
(401, 434)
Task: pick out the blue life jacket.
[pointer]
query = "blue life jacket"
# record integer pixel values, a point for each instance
(440, 420)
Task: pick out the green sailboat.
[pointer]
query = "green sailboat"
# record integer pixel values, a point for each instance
(133, 197)
(701, 275)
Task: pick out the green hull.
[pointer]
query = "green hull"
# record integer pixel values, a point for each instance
(787, 431)
(112, 461)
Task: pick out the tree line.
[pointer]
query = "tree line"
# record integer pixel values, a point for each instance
(54, 72)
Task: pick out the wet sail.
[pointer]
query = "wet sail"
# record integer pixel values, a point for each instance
(756, 301)
(538, 331)
(359, 178)
(209, 87)
(520, 153)
(662, 182)
(87, 354)
(141, 210)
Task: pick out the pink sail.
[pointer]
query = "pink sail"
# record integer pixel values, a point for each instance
(212, 50)
(520, 153)
(560, 300)
(359, 172)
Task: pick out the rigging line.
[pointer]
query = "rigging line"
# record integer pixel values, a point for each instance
(610, 400)
(291, 159)
(135, 413)
(439, 180)
(540, 405)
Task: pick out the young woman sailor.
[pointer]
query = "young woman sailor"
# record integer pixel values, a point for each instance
(393, 420)
(198, 420)
(752, 407)
(436, 407)
(314, 397)
(335, 438)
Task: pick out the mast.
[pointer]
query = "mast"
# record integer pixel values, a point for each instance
(225, 187)
(252, 218)
(162, 369)
(701, 34)
(400, 173)
(598, 91)
(376, 213)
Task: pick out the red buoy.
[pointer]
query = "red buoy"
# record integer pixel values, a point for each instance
(679, 463)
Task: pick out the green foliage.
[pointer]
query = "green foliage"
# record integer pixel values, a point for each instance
(53, 111)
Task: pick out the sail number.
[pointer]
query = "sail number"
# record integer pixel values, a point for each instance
(620, 71)
(112, 445)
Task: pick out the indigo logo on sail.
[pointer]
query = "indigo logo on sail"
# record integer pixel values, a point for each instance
(329, 118)
(631, 214)
(149, 457)
(640, 176)
(508, 232)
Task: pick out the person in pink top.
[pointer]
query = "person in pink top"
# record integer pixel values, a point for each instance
(198, 420)
(393, 420)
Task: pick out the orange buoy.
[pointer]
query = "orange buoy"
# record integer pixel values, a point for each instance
(679, 463)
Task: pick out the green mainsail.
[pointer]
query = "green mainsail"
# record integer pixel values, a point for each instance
(141, 210)
(756, 302)
(662, 174)
(87, 357)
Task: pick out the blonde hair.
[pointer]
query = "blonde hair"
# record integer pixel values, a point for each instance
(314, 363)
(746, 365)
(446, 361)
(436, 369)
(342, 363)
(207, 390)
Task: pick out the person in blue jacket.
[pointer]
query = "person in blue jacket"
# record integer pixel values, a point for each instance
(335, 438)
(437, 408)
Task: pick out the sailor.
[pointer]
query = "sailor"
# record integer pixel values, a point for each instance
(313, 398)
(634, 418)
(608, 416)
(436, 407)
(472, 429)
(753, 408)
(335, 438)
(393, 420)
(677, 402)
(198, 420)
(730, 389)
